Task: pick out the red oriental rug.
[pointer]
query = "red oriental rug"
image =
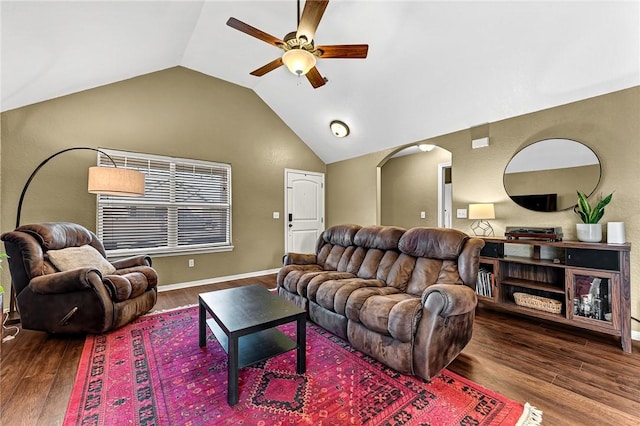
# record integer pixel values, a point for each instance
(152, 372)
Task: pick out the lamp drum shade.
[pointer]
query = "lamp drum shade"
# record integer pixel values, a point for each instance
(115, 181)
(482, 211)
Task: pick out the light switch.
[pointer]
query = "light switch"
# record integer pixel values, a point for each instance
(423, 215)
(461, 213)
(276, 215)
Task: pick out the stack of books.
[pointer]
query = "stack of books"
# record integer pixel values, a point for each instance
(484, 286)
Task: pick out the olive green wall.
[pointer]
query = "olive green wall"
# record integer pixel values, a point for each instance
(608, 124)
(176, 112)
(409, 185)
(352, 190)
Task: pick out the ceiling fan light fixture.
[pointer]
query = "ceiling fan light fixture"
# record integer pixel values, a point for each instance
(299, 61)
(339, 129)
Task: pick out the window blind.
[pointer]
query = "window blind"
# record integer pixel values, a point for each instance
(186, 207)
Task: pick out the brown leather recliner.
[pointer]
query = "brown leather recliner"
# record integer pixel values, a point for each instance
(54, 296)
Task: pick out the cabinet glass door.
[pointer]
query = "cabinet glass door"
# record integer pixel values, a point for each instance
(593, 298)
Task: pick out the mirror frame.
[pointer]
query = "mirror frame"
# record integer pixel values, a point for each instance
(544, 197)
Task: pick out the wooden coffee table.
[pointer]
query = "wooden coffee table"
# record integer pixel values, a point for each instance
(243, 321)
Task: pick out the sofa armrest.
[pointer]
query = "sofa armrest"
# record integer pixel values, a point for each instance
(130, 262)
(66, 282)
(150, 274)
(299, 259)
(445, 328)
(449, 299)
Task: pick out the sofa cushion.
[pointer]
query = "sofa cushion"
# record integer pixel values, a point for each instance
(434, 243)
(329, 256)
(341, 235)
(127, 286)
(57, 235)
(379, 237)
(85, 256)
(119, 287)
(309, 282)
(401, 271)
(314, 284)
(394, 315)
(359, 296)
(333, 294)
(431, 271)
(289, 275)
(369, 267)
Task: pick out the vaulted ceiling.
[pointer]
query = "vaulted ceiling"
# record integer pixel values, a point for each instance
(433, 67)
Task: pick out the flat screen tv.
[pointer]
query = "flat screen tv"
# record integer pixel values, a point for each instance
(537, 202)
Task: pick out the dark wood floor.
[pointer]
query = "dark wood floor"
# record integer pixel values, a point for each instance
(575, 377)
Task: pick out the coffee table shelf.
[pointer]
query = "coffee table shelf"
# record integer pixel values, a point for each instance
(256, 347)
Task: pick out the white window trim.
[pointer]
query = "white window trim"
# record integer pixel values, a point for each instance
(171, 250)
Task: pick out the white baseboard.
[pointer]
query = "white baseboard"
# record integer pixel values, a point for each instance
(189, 284)
(635, 335)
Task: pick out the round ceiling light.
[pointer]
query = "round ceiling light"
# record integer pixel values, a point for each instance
(339, 129)
(426, 147)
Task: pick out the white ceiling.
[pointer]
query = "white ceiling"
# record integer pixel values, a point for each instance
(433, 67)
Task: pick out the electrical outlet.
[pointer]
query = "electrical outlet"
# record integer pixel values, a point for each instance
(461, 213)
(192, 263)
(423, 215)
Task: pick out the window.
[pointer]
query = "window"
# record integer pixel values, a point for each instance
(186, 207)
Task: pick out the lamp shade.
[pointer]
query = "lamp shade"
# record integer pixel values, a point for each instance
(299, 61)
(115, 181)
(482, 211)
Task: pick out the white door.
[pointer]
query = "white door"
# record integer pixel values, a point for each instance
(304, 210)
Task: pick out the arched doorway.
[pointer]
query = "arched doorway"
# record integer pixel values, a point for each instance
(415, 187)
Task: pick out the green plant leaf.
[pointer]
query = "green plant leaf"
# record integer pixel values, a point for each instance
(583, 209)
(606, 200)
(586, 213)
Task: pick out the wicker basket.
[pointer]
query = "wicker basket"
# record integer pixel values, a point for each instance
(538, 302)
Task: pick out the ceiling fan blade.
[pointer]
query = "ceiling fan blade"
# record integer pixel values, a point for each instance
(349, 51)
(266, 68)
(254, 32)
(311, 15)
(315, 78)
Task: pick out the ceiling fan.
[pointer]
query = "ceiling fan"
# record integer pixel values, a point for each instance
(300, 52)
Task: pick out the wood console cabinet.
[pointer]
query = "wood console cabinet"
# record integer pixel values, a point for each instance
(589, 281)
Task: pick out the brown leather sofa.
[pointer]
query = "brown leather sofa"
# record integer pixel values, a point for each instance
(69, 299)
(405, 297)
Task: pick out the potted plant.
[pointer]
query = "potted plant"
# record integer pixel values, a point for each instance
(590, 230)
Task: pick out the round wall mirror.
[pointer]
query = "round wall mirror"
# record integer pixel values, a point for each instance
(545, 175)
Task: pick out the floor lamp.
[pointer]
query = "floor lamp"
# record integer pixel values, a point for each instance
(102, 180)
